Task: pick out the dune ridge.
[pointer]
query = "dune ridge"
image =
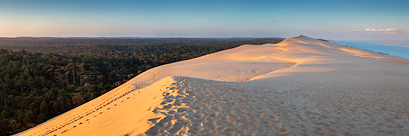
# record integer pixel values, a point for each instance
(300, 86)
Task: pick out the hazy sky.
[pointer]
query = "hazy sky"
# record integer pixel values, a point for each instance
(329, 19)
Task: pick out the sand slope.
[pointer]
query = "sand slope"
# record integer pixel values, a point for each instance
(301, 86)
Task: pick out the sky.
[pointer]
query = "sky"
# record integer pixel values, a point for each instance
(327, 19)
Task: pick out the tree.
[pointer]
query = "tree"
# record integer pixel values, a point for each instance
(42, 81)
(49, 95)
(14, 125)
(19, 84)
(20, 116)
(25, 74)
(19, 99)
(89, 87)
(43, 106)
(100, 79)
(6, 82)
(66, 77)
(4, 114)
(78, 99)
(30, 116)
(60, 103)
(50, 71)
(41, 118)
(55, 107)
(10, 99)
(31, 82)
(4, 126)
(61, 79)
(2, 93)
(71, 67)
(3, 85)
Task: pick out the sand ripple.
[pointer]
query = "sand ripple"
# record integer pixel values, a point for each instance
(206, 107)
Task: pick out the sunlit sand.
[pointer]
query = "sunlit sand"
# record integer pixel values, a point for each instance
(301, 86)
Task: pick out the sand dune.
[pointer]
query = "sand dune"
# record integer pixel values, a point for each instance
(301, 86)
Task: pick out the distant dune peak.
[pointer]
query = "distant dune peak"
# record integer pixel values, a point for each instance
(309, 38)
(302, 36)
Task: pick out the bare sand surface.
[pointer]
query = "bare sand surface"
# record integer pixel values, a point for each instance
(301, 86)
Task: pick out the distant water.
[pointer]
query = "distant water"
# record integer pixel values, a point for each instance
(396, 48)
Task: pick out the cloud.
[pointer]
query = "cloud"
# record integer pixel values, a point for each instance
(374, 30)
(381, 31)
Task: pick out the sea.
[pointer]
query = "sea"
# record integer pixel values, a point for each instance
(396, 48)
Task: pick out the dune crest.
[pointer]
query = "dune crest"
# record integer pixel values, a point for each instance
(301, 86)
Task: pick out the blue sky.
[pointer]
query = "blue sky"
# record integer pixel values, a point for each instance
(329, 19)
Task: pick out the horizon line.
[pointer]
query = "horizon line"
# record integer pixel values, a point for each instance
(130, 37)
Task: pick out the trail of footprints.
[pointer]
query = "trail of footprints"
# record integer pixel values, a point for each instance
(204, 107)
(175, 109)
(86, 116)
